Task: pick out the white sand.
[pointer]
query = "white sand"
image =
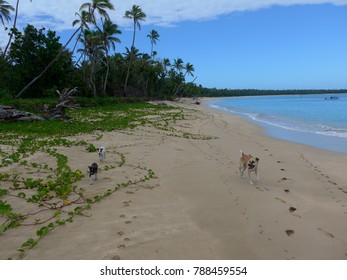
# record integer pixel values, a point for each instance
(198, 207)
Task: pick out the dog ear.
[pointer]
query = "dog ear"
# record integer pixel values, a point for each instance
(257, 159)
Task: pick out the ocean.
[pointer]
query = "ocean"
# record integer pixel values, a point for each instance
(318, 120)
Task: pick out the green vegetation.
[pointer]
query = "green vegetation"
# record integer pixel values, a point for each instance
(34, 64)
(41, 190)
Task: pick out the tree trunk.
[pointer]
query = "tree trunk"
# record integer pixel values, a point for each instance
(11, 34)
(107, 72)
(49, 65)
(130, 61)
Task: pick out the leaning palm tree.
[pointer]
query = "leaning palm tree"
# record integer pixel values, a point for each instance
(96, 5)
(137, 15)
(107, 36)
(85, 18)
(153, 37)
(5, 10)
(13, 27)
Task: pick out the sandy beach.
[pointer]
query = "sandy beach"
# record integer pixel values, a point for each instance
(197, 206)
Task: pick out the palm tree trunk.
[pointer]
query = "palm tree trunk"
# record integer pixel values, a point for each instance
(11, 34)
(107, 72)
(49, 65)
(92, 75)
(130, 61)
(127, 77)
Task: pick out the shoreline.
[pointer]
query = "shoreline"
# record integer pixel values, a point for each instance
(312, 139)
(198, 208)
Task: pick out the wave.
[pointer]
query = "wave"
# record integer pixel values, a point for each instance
(286, 123)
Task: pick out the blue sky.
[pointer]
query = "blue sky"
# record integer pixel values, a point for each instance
(269, 44)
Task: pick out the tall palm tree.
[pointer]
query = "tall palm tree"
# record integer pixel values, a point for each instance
(153, 37)
(5, 10)
(96, 5)
(107, 36)
(14, 27)
(137, 15)
(100, 6)
(84, 18)
(93, 46)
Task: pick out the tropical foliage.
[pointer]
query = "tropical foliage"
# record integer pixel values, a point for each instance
(35, 63)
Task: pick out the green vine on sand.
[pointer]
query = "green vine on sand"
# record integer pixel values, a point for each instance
(50, 191)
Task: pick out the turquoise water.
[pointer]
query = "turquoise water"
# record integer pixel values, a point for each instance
(316, 120)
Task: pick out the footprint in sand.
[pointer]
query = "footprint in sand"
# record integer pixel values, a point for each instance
(126, 203)
(121, 246)
(326, 233)
(289, 232)
(283, 179)
(341, 189)
(128, 222)
(292, 209)
(286, 191)
(120, 233)
(279, 199)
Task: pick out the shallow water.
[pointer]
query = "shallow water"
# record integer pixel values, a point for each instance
(318, 120)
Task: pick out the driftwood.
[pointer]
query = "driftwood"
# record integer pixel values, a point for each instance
(9, 113)
(66, 101)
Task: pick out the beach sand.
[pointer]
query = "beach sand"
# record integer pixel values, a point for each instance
(198, 207)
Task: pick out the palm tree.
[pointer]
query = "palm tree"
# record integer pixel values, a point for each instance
(178, 65)
(100, 6)
(85, 18)
(94, 50)
(166, 63)
(189, 69)
(109, 29)
(137, 15)
(5, 10)
(96, 5)
(14, 27)
(153, 37)
(128, 54)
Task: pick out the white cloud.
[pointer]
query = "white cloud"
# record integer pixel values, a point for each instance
(160, 12)
(59, 14)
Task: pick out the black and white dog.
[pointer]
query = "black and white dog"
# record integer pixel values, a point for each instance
(102, 154)
(93, 170)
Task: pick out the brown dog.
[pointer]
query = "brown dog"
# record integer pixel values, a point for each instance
(251, 164)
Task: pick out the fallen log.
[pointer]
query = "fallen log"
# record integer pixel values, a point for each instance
(9, 113)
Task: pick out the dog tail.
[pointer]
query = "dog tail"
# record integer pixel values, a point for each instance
(241, 152)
